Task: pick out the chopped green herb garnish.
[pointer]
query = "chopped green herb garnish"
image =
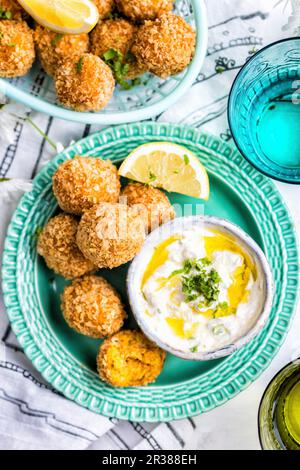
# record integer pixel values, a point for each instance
(220, 69)
(79, 65)
(38, 232)
(113, 16)
(120, 66)
(136, 82)
(186, 159)
(130, 57)
(198, 281)
(3, 179)
(194, 349)
(205, 261)
(176, 172)
(152, 177)
(110, 54)
(5, 14)
(223, 305)
(56, 39)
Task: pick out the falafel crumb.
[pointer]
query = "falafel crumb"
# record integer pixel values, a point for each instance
(93, 307)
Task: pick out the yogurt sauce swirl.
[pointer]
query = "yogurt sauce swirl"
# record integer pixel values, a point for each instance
(201, 290)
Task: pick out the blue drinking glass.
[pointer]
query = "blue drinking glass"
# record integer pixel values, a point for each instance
(264, 110)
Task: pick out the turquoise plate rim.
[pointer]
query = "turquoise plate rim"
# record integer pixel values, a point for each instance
(166, 402)
(200, 13)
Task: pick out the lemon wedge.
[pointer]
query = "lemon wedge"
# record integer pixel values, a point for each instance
(168, 166)
(63, 16)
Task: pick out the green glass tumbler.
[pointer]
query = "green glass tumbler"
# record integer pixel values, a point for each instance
(279, 412)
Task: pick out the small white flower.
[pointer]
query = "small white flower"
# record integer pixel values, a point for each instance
(59, 147)
(294, 18)
(7, 129)
(12, 189)
(9, 113)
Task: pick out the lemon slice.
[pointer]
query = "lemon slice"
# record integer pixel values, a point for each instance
(63, 16)
(168, 166)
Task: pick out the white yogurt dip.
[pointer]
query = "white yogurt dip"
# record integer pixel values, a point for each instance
(200, 290)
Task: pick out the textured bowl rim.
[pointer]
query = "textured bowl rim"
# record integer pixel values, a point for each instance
(230, 107)
(190, 221)
(200, 13)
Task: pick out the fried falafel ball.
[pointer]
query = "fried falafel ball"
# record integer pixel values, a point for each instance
(57, 245)
(153, 204)
(105, 7)
(135, 69)
(80, 183)
(165, 46)
(140, 10)
(111, 234)
(85, 83)
(129, 359)
(93, 307)
(16, 48)
(52, 48)
(117, 34)
(11, 10)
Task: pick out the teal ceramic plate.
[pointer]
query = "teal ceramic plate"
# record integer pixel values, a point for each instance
(67, 360)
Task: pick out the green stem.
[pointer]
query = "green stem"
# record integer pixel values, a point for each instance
(32, 123)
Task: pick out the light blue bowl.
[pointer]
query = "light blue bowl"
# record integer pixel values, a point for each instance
(36, 90)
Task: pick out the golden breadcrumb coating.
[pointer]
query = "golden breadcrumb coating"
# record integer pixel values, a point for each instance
(85, 83)
(105, 7)
(117, 34)
(93, 307)
(80, 183)
(12, 10)
(129, 359)
(111, 234)
(140, 10)
(57, 244)
(153, 204)
(135, 69)
(16, 48)
(165, 46)
(52, 48)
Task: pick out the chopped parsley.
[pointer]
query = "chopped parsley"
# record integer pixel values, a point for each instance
(194, 349)
(113, 15)
(152, 177)
(5, 14)
(186, 159)
(120, 67)
(199, 281)
(37, 232)
(56, 39)
(79, 65)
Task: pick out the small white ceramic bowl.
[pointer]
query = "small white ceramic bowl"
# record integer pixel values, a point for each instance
(176, 226)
